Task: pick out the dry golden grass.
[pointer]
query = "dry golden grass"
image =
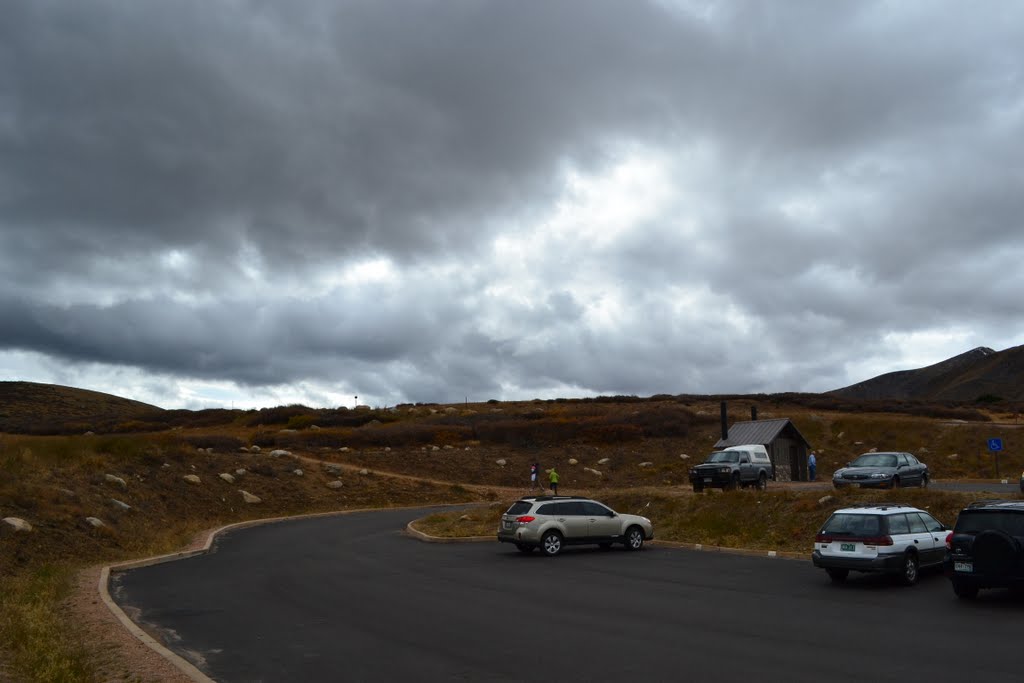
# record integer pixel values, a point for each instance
(55, 482)
(774, 520)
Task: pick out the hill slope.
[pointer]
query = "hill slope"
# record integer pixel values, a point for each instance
(978, 373)
(29, 406)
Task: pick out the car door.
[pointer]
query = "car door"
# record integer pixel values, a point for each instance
(937, 531)
(570, 515)
(918, 467)
(909, 475)
(603, 523)
(746, 468)
(922, 540)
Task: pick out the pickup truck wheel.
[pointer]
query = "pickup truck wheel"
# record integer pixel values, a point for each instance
(837, 575)
(734, 483)
(551, 543)
(697, 488)
(634, 538)
(762, 482)
(910, 569)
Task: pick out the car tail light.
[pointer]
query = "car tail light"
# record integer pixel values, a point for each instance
(949, 541)
(823, 538)
(877, 540)
(525, 519)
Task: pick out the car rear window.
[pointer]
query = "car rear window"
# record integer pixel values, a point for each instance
(859, 526)
(520, 507)
(973, 521)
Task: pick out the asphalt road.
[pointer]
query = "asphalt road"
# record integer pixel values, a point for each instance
(350, 598)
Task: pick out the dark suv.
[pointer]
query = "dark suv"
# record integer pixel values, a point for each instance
(986, 548)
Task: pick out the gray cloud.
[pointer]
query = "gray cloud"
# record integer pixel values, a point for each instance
(192, 192)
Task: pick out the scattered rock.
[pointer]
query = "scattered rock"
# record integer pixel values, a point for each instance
(604, 461)
(249, 498)
(343, 449)
(89, 434)
(227, 477)
(192, 479)
(209, 451)
(254, 449)
(953, 456)
(336, 484)
(574, 461)
(448, 447)
(165, 466)
(873, 450)
(684, 456)
(858, 443)
(244, 449)
(364, 472)
(923, 449)
(241, 471)
(297, 472)
(332, 468)
(387, 449)
(17, 524)
(825, 499)
(434, 448)
(465, 518)
(315, 428)
(115, 480)
(279, 453)
(596, 473)
(501, 461)
(120, 504)
(646, 464)
(95, 522)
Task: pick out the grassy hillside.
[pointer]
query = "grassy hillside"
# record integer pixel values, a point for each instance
(406, 455)
(32, 408)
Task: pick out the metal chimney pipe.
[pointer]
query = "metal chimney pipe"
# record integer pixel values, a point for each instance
(753, 413)
(725, 422)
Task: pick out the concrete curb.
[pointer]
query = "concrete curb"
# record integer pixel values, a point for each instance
(178, 661)
(776, 554)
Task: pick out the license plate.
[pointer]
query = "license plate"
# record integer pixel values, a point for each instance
(965, 567)
(507, 525)
(707, 480)
(848, 547)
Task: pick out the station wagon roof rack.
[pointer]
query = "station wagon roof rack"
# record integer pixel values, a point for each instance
(881, 506)
(553, 498)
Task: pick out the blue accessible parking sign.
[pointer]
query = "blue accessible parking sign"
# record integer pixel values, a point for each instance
(995, 444)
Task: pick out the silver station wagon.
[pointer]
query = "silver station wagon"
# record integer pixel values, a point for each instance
(552, 522)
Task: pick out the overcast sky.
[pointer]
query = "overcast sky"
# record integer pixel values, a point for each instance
(241, 203)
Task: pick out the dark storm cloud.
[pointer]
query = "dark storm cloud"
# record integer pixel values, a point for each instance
(178, 181)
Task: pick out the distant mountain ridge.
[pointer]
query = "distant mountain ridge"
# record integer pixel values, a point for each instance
(980, 373)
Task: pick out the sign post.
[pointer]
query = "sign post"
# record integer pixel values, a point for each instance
(995, 445)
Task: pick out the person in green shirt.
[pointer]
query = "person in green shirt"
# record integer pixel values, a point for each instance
(553, 478)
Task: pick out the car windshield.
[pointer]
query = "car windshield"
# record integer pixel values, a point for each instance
(724, 456)
(875, 460)
(859, 526)
(973, 521)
